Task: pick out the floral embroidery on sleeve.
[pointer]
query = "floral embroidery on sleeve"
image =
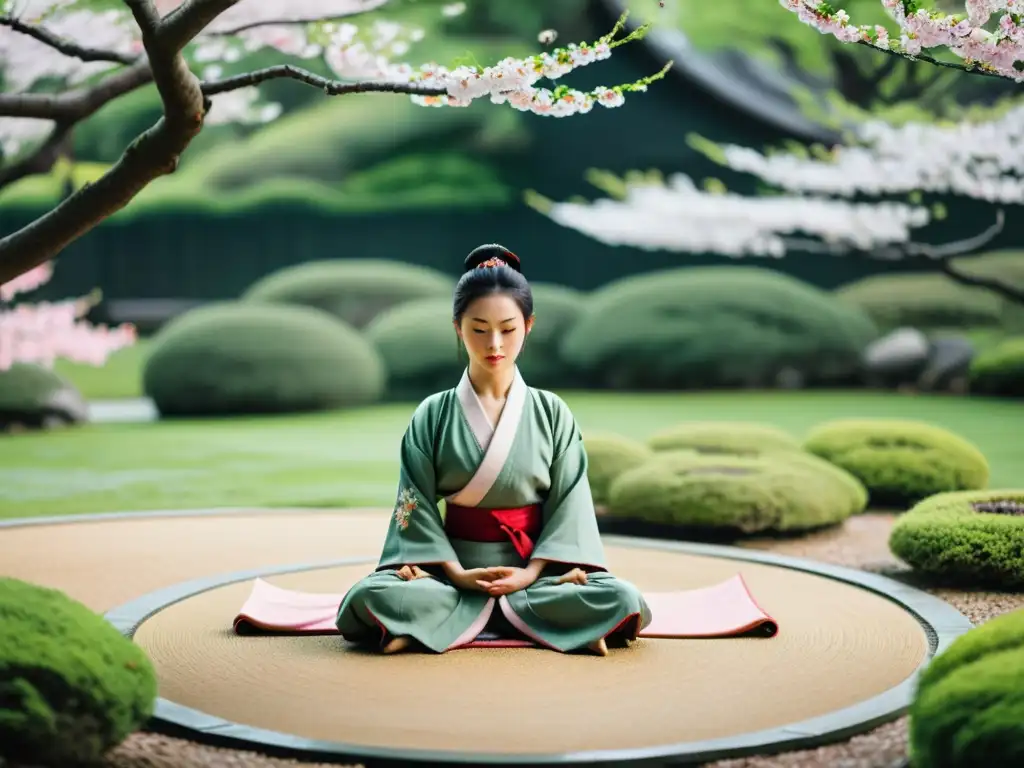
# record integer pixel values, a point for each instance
(406, 506)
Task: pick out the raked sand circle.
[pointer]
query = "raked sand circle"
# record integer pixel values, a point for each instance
(848, 648)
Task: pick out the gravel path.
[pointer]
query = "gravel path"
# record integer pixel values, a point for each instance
(861, 543)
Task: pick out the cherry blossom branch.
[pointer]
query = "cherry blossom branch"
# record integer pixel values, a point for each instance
(995, 53)
(328, 86)
(79, 103)
(189, 19)
(940, 255)
(644, 211)
(975, 281)
(151, 155)
(971, 68)
(67, 47)
(187, 101)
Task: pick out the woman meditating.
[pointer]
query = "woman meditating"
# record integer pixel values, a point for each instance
(518, 544)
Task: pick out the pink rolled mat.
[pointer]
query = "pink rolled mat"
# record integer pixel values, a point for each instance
(726, 609)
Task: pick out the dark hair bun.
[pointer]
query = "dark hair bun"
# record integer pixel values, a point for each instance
(482, 254)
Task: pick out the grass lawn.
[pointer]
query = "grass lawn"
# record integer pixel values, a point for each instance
(120, 377)
(349, 458)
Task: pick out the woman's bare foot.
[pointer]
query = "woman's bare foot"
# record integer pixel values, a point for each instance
(397, 644)
(599, 646)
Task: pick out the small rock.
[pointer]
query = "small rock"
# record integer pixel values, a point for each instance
(948, 363)
(897, 358)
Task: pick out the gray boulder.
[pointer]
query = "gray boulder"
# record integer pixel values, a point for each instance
(897, 358)
(948, 364)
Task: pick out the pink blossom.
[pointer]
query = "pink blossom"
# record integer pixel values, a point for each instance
(41, 333)
(994, 52)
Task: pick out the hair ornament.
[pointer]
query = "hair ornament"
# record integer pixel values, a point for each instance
(494, 261)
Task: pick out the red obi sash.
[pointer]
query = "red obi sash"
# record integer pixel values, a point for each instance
(520, 525)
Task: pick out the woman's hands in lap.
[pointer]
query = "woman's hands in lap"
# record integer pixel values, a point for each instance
(575, 576)
(495, 581)
(510, 580)
(411, 573)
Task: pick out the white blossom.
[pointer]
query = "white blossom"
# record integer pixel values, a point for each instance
(241, 106)
(17, 132)
(982, 160)
(677, 216)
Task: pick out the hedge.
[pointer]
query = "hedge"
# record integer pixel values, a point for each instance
(71, 686)
(714, 326)
(733, 494)
(738, 438)
(999, 370)
(972, 538)
(968, 709)
(420, 349)
(924, 301)
(900, 462)
(608, 456)
(931, 301)
(235, 358)
(355, 290)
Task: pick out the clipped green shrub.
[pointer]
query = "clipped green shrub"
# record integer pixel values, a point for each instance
(355, 290)
(972, 538)
(557, 309)
(608, 456)
(935, 302)
(33, 397)
(900, 462)
(968, 709)
(924, 301)
(839, 480)
(71, 686)
(999, 370)
(732, 437)
(714, 326)
(732, 494)
(236, 358)
(419, 347)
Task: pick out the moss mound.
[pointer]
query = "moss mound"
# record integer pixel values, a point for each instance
(714, 327)
(34, 397)
(971, 538)
(421, 352)
(900, 462)
(355, 290)
(734, 494)
(735, 438)
(236, 358)
(999, 370)
(968, 709)
(608, 456)
(71, 686)
(557, 309)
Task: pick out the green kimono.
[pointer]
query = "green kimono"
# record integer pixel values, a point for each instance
(534, 455)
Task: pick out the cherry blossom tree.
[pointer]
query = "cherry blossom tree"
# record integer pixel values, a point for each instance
(101, 49)
(96, 51)
(842, 200)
